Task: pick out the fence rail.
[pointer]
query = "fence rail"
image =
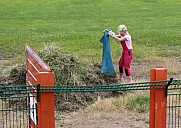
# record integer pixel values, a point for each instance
(155, 85)
(15, 109)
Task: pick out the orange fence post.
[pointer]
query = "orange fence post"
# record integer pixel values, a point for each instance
(46, 117)
(41, 114)
(158, 100)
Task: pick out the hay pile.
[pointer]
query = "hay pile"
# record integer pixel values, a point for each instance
(68, 71)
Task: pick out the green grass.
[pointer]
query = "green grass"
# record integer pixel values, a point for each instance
(137, 102)
(77, 25)
(133, 101)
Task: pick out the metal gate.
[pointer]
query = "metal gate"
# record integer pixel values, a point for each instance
(174, 105)
(15, 111)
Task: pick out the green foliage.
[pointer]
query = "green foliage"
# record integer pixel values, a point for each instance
(137, 102)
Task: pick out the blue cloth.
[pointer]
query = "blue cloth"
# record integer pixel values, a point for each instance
(107, 65)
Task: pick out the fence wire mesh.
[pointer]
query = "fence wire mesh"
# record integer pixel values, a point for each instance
(174, 105)
(15, 106)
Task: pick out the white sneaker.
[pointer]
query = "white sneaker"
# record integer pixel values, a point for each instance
(131, 82)
(121, 79)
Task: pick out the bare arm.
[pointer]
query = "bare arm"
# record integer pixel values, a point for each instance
(119, 39)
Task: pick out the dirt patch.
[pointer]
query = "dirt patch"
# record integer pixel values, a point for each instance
(3, 60)
(16, 77)
(141, 68)
(103, 119)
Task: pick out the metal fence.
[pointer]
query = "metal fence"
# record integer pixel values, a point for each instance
(172, 92)
(16, 108)
(174, 105)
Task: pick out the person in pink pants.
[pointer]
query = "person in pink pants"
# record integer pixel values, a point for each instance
(127, 51)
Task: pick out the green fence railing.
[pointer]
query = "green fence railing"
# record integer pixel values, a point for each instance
(155, 85)
(14, 107)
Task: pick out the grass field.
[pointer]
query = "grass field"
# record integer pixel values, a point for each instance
(77, 26)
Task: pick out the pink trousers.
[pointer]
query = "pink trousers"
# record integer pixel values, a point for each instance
(125, 62)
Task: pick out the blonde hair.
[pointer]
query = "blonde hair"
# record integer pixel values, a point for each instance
(122, 28)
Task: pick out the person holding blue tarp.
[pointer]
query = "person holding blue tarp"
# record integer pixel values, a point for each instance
(127, 53)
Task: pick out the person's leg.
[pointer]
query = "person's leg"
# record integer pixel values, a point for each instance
(127, 65)
(121, 69)
(130, 79)
(128, 74)
(121, 74)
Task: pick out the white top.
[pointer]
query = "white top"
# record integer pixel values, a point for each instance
(128, 41)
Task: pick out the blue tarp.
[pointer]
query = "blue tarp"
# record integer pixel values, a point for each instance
(107, 65)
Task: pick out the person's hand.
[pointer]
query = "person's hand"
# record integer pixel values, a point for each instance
(111, 33)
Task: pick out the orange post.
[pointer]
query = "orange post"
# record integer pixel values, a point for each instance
(41, 113)
(158, 99)
(46, 116)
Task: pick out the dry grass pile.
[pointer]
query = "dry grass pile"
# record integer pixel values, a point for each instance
(68, 71)
(65, 66)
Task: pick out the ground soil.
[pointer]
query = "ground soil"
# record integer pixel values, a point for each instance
(102, 119)
(3, 61)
